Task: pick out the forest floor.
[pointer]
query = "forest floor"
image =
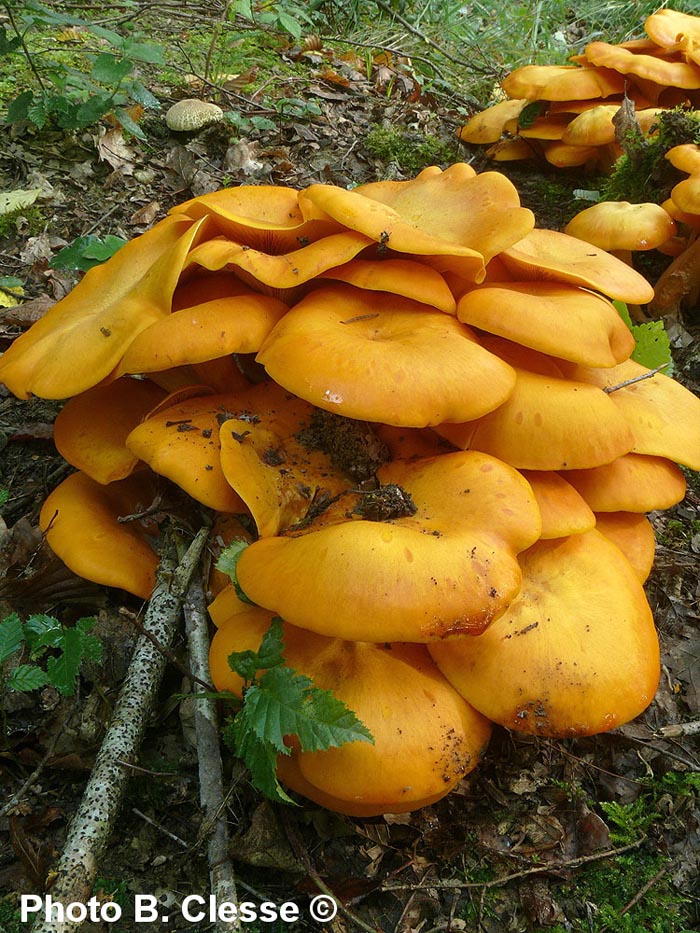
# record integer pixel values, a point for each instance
(589, 835)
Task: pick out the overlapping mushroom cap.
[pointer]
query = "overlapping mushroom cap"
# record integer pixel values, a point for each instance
(576, 652)
(447, 564)
(426, 737)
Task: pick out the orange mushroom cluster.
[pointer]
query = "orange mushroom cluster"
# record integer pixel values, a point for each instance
(420, 412)
(567, 113)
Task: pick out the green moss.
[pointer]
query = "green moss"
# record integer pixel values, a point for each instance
(410, 151)
(644, 173)
(29, 221)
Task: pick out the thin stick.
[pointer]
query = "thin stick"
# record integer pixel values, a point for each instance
(211, 782)
(642, 891)
(630, 382)
(678, 730)
(515, 876)
(161, 828)
(92, 825)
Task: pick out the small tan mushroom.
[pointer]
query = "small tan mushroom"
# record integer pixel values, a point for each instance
(191, 115)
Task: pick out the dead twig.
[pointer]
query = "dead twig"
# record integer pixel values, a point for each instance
(631, 382)
(517, 875)
(211, 783)
(678, 730)
(161, 828)
(92, 825)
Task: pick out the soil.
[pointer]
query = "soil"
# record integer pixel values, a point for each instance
(584, 835)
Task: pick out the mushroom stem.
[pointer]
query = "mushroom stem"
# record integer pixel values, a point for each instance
(92, 825)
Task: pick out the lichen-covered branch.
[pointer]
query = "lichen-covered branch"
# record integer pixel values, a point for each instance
(94, 820)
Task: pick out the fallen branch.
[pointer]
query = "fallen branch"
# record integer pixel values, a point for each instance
(517, 875)
(634, 379)
(678, 730)
(211, 784)
(94, 820)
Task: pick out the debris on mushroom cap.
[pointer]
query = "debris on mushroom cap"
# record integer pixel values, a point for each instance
(576, 653)
(189, 115)
(450, 566)
(426, 737)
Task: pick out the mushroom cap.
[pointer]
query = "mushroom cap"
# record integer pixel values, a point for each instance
(378, 357)
(595, 127)
(402, 277)
(488, 125)
(265, 459)
(665, 26)
(511, 150)
(206, 331)
(565, 156)
(82, 338)
(264, 217)
(555, 318)
(686, 158)
(548, 423)
(450, 567)
(547, 127)
(181, 441)
(426, 737)
(190, 114)
(621, 225)
(650, 67)
(90, 431)
(80, 521)
(686, 194)
(633, 483)
(551, 256)
(663, 415)
(576, 653)
(633, 533)
(284, 270)
(564, 512)
(562, 82)
(452, 213)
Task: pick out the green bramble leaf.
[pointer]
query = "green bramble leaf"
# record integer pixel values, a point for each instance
(281, 703)
(5, 493)
(77, 645)
(653, 348)
(109, 69)
(228, 562)
(18, 109)
(7, 44)
(247, 663)
(42, 631)
(11, 636)
(86, 251)
(27, 677)
(530, 113)
(128, 123)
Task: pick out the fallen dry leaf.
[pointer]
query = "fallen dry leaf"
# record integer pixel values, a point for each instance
(112, 148)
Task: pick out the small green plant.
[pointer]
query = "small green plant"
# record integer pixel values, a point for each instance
(653, 348)
(69, 97)
(279, 702)
(410, 151)
(87, 251)
(39, 635)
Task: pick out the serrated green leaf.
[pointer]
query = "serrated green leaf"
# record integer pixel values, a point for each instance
(42, 631)
(144, 52)
(85, 252)
(27, 677)
(141, 94)
(286, 703)
(653, 346)
(11, 636)
(530, 113)
(247, 663)
(17, 109)
(8, 45)
(261, 760)
(108, 35)
(289, 24)
(92, 109)
(228, 562)
(76, 645)
(109, 69)
(128, 123)
(4, 493)
(621, 309)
